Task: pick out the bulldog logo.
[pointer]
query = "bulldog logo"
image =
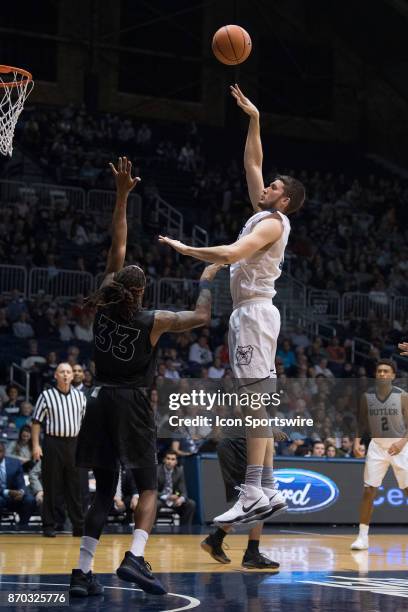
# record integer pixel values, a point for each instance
(243, 354)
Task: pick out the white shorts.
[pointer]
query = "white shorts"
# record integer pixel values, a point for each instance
(252, 338)
(378, 461)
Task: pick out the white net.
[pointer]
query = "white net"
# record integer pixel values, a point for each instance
(15, 86)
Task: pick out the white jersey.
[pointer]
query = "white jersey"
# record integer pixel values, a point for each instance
(385, 418)
(255, 277)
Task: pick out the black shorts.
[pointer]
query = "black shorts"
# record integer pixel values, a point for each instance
(232, 455)
(118, 428)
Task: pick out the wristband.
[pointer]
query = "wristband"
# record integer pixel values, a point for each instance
(205, 284)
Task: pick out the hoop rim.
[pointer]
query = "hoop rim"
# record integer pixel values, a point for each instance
(7, 69)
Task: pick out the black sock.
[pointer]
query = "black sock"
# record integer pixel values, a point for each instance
(253, 546)
(218, 536)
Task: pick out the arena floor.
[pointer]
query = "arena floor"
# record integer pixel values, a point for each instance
(318, 572)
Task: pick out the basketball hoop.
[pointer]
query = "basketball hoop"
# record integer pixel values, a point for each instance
(15, 85)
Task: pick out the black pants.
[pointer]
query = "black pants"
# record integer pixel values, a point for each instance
(60, 510)
(60, 477)
(24, 508)
(185, 511)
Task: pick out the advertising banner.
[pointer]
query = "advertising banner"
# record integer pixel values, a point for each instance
(316, 490)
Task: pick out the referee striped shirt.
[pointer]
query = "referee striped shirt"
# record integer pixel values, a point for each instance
(63, 411)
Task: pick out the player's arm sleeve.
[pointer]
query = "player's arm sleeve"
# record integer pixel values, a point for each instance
(40, 410)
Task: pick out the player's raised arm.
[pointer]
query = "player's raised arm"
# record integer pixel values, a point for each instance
(166, 321)
(265, 233)
(253, 155)
(124, 185)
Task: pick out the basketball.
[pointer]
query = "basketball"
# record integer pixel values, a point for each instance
(231, 45)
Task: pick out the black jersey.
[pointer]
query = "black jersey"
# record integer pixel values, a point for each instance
(123, 354)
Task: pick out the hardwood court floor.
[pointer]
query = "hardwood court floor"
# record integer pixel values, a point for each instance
(318, 573)
(168, 553)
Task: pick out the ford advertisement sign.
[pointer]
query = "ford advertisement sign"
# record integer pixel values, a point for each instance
(304, 490)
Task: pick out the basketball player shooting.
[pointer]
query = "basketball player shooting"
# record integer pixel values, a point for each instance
(119, 424)
(384, 415)
(255, 264)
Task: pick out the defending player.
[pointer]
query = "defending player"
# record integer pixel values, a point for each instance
(256, 260)
(119, 424)
(384, 415)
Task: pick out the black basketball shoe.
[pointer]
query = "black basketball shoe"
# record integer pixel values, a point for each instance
(83, 585)
(215, 550)
(256, 560)
(137, 570)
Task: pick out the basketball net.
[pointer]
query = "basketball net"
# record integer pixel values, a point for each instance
(15, 85)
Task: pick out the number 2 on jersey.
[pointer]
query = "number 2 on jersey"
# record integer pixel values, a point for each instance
(384, 424)
(118, 339)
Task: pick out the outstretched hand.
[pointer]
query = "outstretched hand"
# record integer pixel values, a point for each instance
(123, 176)
(403, 347)
(210, 271)
(279, 435)
(357, 453)
(243, 102)
(174, 244)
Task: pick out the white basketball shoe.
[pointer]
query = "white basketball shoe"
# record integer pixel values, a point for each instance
(361, 543)
(251, 503)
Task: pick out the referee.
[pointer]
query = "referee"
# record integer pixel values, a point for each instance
(63, 408)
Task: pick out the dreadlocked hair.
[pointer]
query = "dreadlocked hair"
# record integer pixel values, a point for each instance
(123, 295)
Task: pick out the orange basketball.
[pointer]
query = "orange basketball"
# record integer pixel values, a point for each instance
(231, 45)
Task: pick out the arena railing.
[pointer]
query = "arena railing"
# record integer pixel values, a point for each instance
(21, 378)
(360, 305)
(10, 190)
(360, 348)
(96, 201)
(62, 284)
(54, 195)
(13, 277)
(199, 237)
(324, 304)
(176, 293)
(102, 201)
(400, 310)
(311, 324)
(168, 218)
(150, 295)
(291, 290)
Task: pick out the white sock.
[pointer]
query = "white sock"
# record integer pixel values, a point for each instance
(253, 475)
(139, 542)
(364, 529)
(86, 553)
